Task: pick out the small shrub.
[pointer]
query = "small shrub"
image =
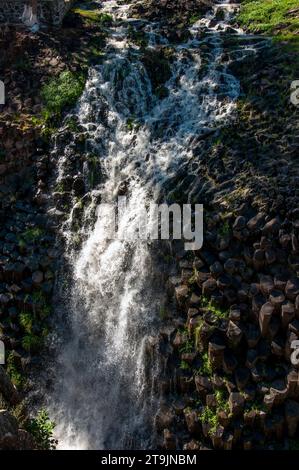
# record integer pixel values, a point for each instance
(61, 92)
(42, 429)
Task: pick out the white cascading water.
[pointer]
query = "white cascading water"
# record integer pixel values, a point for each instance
(101, 398)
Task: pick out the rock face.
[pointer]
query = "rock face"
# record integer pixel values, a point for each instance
(52, 12)
(172, 13)
(11, 437)
(7, 389)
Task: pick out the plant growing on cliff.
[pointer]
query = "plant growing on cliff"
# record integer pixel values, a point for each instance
(222, 401)
(205, 368)
(209, 417)
(61, 92)
(218, 312)
(42, 429)
(14, 372)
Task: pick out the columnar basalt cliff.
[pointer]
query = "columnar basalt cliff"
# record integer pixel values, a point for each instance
(197, 345)
(48, 11)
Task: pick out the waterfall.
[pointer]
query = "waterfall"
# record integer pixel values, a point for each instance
(101, 398)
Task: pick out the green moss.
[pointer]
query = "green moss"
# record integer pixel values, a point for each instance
(269, 16)
(94, 16)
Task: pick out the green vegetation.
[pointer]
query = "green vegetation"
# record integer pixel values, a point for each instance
(94, 16)
(273, 17)
(187, 347)
(26, 321)
(193, 19)
(219, 312)
(205, 368)
(42, 429)
(208, 416)
(14, 371)
(58, 94)
(72, 124)
(222, 401)
(31, 342)
(184, 365)
(62, 91)
(193, 278)
(32, 234)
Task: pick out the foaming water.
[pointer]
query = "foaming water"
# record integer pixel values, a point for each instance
(102, 397)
